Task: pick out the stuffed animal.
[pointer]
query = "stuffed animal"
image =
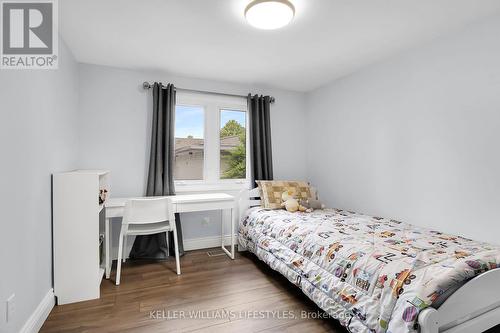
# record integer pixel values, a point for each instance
(289, 202)
(312, 204)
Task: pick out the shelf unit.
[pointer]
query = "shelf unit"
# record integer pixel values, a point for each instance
(78, 221)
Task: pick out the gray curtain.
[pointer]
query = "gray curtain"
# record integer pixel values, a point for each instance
(160, 175)
(260, 138)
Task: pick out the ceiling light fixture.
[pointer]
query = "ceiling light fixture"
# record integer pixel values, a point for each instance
(269, 14)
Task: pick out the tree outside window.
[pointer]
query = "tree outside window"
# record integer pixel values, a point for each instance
(233, 145)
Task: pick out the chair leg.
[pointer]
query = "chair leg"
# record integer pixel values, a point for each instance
(168, 243)
(124, 254)
(176, 246)
(119, 261)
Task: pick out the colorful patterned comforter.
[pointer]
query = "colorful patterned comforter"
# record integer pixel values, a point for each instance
(370, 273)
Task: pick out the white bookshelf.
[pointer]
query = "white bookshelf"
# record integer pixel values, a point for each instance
(77, 223)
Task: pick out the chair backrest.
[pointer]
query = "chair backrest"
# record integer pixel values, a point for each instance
(147, 210)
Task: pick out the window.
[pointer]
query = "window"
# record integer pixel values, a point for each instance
(189, 142)
(210, 141)
(232, 144)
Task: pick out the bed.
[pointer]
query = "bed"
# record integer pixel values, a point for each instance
(375, 274)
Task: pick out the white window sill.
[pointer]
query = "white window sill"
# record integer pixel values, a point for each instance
(194, 186)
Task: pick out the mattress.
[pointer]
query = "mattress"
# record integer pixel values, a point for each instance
(372, 274)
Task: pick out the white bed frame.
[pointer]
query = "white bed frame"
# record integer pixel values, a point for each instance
(474, 307)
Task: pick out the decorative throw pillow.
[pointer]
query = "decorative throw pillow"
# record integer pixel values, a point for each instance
(271, 190)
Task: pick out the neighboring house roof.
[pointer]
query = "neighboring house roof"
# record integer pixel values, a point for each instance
(192, 144)
(229, 142)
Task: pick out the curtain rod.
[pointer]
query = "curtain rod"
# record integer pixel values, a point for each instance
(147, 85)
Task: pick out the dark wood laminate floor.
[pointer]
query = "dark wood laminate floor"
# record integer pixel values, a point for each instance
(216, 288)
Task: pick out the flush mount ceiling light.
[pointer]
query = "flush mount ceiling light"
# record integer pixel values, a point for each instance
(269, 14)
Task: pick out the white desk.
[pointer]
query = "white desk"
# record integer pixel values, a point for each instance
(180, 204)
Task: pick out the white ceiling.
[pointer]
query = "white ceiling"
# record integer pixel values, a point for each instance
(210, 38)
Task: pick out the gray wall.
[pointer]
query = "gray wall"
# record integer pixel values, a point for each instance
(38, 125)
(416, 137)
(115, 122)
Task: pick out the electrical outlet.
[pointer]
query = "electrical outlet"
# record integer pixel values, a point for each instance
(10, 308)
(206, 221)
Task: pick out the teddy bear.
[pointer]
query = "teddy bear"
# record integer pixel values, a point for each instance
(290, 203)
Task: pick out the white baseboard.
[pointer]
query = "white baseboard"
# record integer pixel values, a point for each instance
(207, 242)
(42, 311)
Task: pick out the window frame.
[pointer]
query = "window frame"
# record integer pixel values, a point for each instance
(212, 106)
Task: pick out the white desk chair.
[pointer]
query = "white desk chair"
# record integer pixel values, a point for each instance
(146, 216)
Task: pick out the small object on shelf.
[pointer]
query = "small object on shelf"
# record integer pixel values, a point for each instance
(103, 193)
